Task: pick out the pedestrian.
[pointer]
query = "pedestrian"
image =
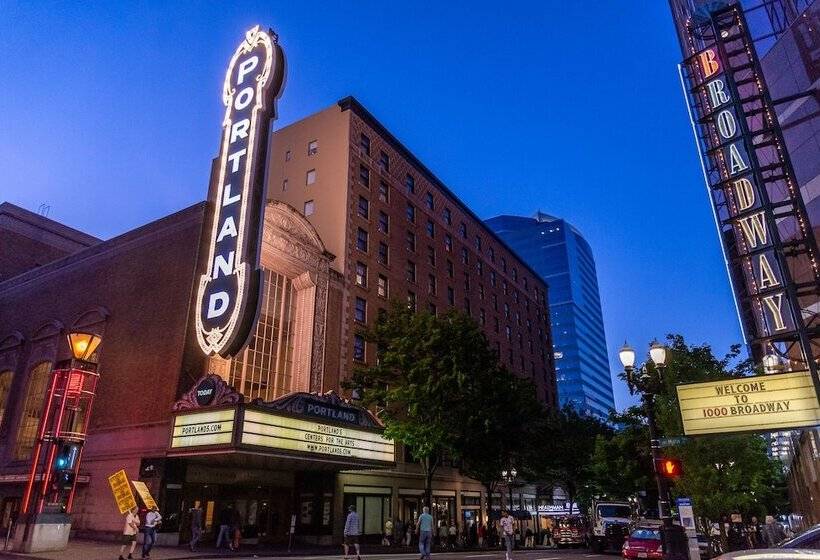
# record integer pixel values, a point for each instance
(443, 534)
(351, 532)
(398, 532)
(388, 532)
(773, 532)
(492, 535)
(472, 538)
(481, 532)
(236, 529)
(129, 533)
(452, 535)
(408, 534)
(755, 532)
(528, 543)
(196, 526)
(508, 532)
(152, 522)
(736, 536)
(224, 519)
(424, 527)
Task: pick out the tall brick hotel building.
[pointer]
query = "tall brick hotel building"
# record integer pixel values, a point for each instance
(353, 220)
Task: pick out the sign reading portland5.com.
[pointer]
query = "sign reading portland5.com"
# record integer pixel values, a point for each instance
(228, 291)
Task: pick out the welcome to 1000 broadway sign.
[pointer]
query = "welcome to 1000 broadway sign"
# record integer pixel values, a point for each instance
(228, 291)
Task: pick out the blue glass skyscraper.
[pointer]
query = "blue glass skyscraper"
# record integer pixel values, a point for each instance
(563, 258)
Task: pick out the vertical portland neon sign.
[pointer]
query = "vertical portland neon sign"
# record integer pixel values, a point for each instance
(228, 291)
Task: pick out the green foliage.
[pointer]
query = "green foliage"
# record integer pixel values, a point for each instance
(621, 465)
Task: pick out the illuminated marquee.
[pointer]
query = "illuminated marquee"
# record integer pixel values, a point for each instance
(761, 403)
(760, 215)
(203, 428)
(265, 429)
(227, 295)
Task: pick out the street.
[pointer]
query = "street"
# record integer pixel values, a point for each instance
(544, 554)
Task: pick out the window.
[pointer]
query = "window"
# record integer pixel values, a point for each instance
(313, 147)
(384, 161)
(508, 332)
(492, 254)
(515, 296)
(410, 184)
(466, 282)
(506, 311)
(364, 207)
(431, 228)
(411, 301)
(448, 216)
(384, 192)
(478, 243)
(492, 278)
(467, 306)
(465, 256)
(503, 264)
(6, 378)
(448, 242)
(32, 410)
(411, 213)
(411, 241)
(411, 271)
(479, 266)
(309, 208)
(360, 311)
(504, 287)
(495, 303)
(364, 176)
(515, 274)
(311, 177)
(384, 254)
(520, 341)
(450, 268)
(428, 199)
(431, 284)
(284, 185)
(361, 274)
(431, 256)
(364, 144)
(382, 287)
(526, 287)
(482, 317)
(384, 222)
(451, 296)
(462, 230)
(287, 155)
(361, 240)
(495, 324)
(358, 347)
(481, 291)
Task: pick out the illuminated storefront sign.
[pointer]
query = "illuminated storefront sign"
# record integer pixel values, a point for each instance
(316, 438)
(227, 295)
(761, 218)
(203, 428)
(761, 403)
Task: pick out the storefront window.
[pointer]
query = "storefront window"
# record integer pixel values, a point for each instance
(444, 509)
(32, 410)
(373, 510)
(5, 387)
(264, 369)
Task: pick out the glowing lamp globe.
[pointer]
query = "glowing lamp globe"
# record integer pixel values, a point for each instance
(657, 352)
(627, 356)
(83, 345)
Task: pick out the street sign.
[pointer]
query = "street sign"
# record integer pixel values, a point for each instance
(122, 491)
(761, 403)
(672, 441)
(145, 494)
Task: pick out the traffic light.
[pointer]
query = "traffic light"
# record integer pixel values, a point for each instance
(669, 468)
(64, 462)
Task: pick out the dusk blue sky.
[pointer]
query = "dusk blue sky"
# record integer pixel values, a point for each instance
(111, 115)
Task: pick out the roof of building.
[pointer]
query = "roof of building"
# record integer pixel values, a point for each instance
(9, 211)
(351, 103)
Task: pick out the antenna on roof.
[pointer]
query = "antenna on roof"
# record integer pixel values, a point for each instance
(44, 210)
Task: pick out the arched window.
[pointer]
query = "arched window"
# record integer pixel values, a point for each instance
(32, 410)
(5, 388)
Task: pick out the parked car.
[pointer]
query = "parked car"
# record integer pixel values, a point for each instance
(806, 545)
(643, 542)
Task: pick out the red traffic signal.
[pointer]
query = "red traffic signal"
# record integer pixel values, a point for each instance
(669, 468)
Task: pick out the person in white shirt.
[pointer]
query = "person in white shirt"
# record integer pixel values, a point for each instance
(351, 532)
(129, 533)
(508, 532)
(152, 522)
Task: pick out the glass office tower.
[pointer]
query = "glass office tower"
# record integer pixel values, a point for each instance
(563, 258)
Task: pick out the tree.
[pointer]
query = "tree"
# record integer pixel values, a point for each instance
(562, 451)
(424, 381)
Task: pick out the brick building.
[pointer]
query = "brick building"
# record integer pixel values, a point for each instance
(353, 219)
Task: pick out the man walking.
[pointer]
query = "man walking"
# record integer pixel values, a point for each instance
(152, 522)
(129, 533)
(773, 532)
(224, 528)
(196, 526)
(424, 527)
(351, 532)
(508, 532)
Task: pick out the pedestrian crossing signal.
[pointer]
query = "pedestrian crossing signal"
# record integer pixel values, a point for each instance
(669, 468)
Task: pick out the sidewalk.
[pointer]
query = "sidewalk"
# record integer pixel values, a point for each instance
(81, 549)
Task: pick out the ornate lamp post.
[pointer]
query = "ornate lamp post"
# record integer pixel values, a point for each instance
(509, 476)
(648, 381)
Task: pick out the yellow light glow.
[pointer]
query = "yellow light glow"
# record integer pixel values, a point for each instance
(83, 345)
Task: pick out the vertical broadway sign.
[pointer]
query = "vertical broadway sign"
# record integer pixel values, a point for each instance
(228, 292)
(761, 218)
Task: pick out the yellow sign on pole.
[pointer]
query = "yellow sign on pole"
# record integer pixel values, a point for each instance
(144, 493)
(763, 403)
(122, 491)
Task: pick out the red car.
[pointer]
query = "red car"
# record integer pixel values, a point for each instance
(643, 542)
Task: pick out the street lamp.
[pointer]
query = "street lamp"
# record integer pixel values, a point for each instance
(509, 476)
(771, 363)
(648, 382)
(83, 345)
